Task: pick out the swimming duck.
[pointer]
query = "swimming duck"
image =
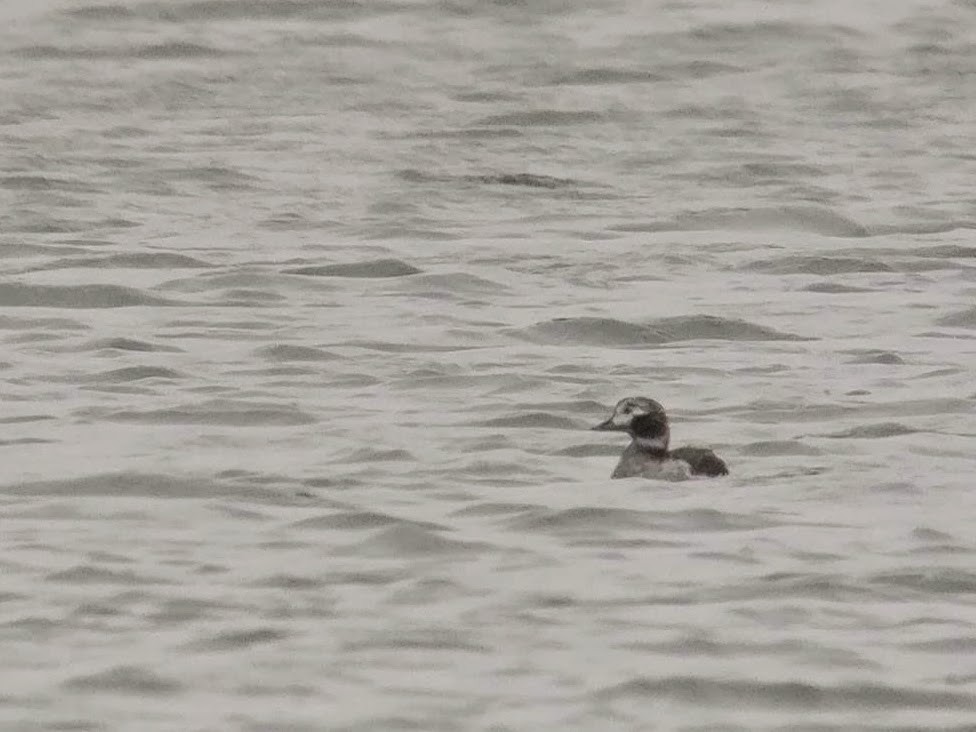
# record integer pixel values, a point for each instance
(648, 455)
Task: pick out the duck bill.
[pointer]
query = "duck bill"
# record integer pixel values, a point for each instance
(607, 426)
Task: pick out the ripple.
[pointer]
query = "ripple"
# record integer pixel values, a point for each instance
(140, 485)
(885, 358)
(227, 413)
(11, 323)
(771, 448)
(91, 575)
(541, 118)
(873, 431)
(799, 264)
(612, 332)
(75, 296)
(406, 540)
(235, 640)
(540, 420)
(785, 694)
(361, 520)
(138, 260)
(528, 180)
(369, 268)
(135, 373)
(129, 344)
(792, 218)
(834, 288)
(962, 319)
(285, 352)
(126, 680)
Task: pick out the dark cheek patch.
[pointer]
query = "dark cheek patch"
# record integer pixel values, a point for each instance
(649, 425)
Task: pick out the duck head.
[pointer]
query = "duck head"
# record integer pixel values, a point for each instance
(643, 419)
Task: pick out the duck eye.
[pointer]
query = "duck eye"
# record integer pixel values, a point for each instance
(627, 410)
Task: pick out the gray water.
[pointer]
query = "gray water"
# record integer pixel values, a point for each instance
(307, 307)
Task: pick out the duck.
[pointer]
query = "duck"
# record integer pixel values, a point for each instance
(648, 454)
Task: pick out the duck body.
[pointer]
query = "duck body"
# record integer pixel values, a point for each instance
(648, 455)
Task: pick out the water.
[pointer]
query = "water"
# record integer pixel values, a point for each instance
(308, 306)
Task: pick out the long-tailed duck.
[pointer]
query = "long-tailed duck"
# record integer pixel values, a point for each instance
(647, 455)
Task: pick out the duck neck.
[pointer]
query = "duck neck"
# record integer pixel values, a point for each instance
(656, 447)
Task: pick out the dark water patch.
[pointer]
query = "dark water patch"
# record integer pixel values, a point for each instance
(590, 331)
(588, 450)
(129, 344)
(943, 581)
(372, 455)
(948, 251)
(834, 288)
(783, 695)
(214, 325)
(526, 180)
(585, 407)
(25, 418)
(45, 183)
(223, 412)
(425, 639)
(538, 420)
(139, 260)
(542, 118)
(610, 332)
(215, 177)
(874, 431)
(803, 652)
(816, 265)
(181, 610)
(47, 52)
(142, 485)
(289, 582)
(584, 518)
(449, 283)
(467, 133)
(807, 219)
(361, 520)
(495, 509)
(392, 347)
(257, 281)
(773, 412)
(962, 319)
(236, 640)
(238, 10)
(709, 519)
(15, 294)
(175, 49)
(26, 441)
(885, 358)
(126, 680)
(926, 534)
(100, 12)
(367, 578)
(135, 373)
(695, 327)
(370, 268)
(8, 322)
(285, 352)
(248, 298)
(90, 575)
(598, 75)
(953, 646)
(778, 448)
(592, 518)
(406, 540)
(290, 221)
(430, 592)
